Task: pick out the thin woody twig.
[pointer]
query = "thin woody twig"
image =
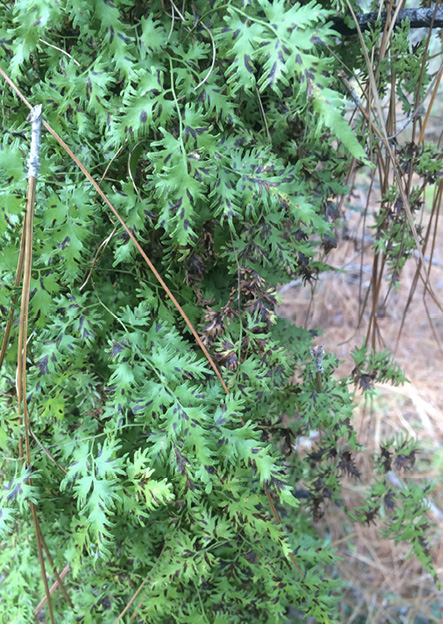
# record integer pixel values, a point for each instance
(18, 277)
(45, 450)
(142, 584)
(418, 18)
(58, 578)
(60, 50)
(54, 586)
(35, 118)
(101, 248)
(214, 56)
(383, 134)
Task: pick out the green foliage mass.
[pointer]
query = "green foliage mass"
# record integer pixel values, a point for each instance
(219, 136)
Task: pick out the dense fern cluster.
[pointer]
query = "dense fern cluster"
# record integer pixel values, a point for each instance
(214, 129)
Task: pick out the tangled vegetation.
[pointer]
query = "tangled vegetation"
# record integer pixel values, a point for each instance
(217, 131)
